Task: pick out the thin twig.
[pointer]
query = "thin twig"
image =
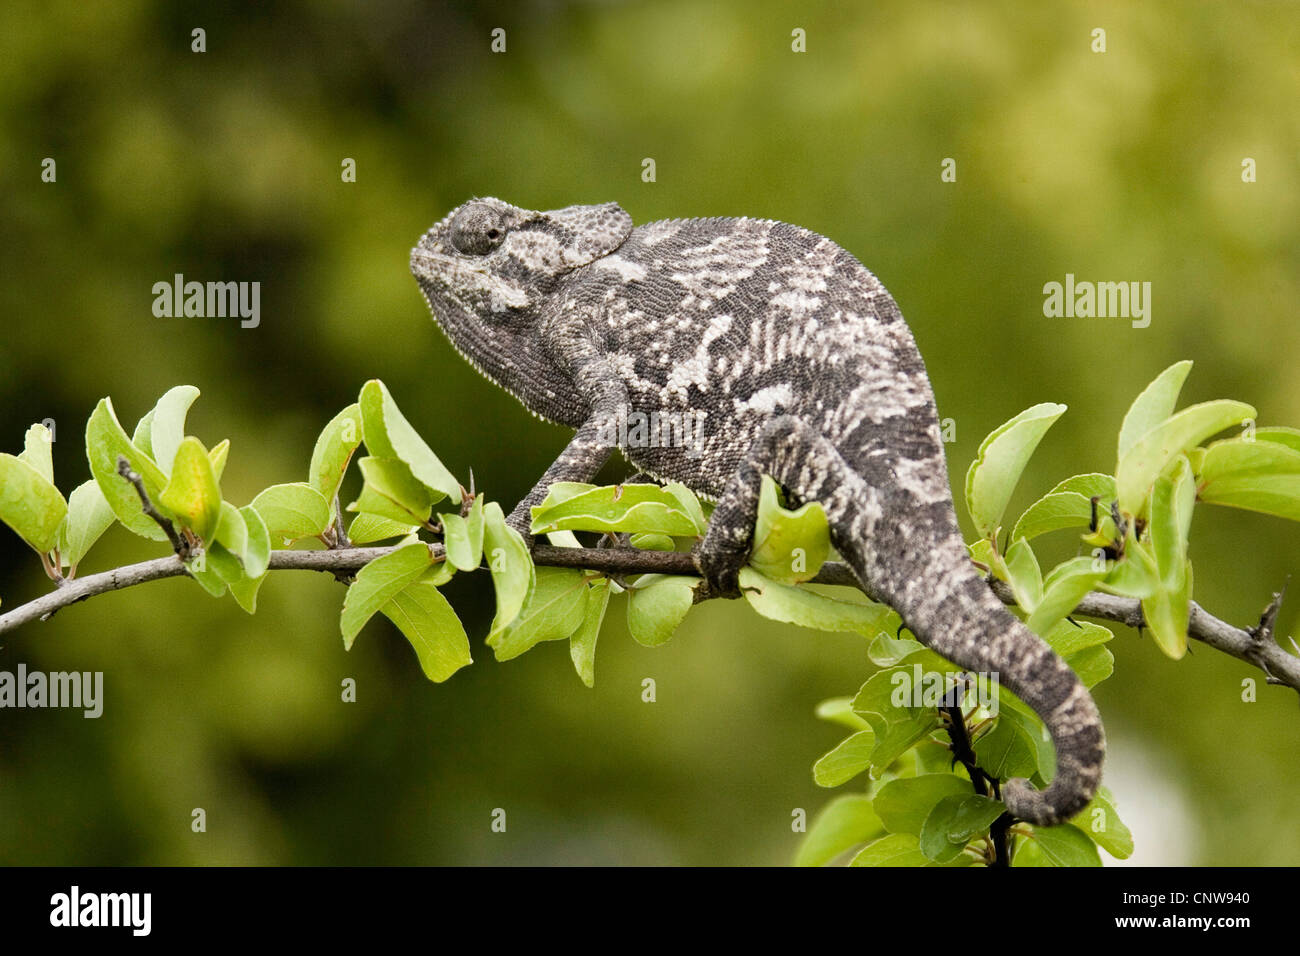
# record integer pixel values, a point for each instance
(179, 545)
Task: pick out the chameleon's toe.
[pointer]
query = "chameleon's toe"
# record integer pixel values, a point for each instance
(720, 570)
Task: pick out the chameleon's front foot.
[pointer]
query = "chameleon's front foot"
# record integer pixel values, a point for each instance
(720, 567)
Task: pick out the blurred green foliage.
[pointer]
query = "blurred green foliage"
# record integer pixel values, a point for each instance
(226, 165)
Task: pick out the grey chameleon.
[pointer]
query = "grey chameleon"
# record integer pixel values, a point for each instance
(803, 368)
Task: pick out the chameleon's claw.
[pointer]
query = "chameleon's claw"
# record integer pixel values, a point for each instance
(720, 570)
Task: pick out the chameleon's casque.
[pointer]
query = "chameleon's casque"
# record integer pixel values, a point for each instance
(799, 365)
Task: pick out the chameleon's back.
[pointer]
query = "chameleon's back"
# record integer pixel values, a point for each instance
(750, 319)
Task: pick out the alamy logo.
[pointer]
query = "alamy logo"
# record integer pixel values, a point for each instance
(74, 908)
(658, 429)
(1102, 300)
(930, 689)
(212, 300)
(82, 690)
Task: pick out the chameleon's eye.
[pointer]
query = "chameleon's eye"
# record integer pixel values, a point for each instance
(477, 230)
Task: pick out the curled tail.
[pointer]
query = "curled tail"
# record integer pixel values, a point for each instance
(950, 608)
(892, 519)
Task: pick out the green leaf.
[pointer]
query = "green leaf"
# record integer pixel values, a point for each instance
(1001, 460)
(890, 692)
(202, 570)
(897, 735)
(582, 644)
(1172, 499)
(1280, 434)
(366, 528)
(886, 650)
(142, 437)
(1089, 485)
(850, 757)
(1062, 845)
(1167, 612)
(1012, 710)
(973, 816)
(897, 849)
(334, 448)
(1261, 475)
(421, 613)
(30, 504)
(847, 821)
(1066, 638)
(657, 605)
(510, 564)
(1168, 607)
(1151, 454)
(1100, 822)
(217, 455)
(391, 491)
(792, 604)
(244, 591)
(378, 583)
(463, 537)
(1064, 589)
(904, 804)
(1052, 512)
(389, 435)
(232, 531)
(1068, 505)
(1134, 575)
(1023, 574)
(555, 609)
(789, 546)
(105, 442)
(225, 564)
(1153, 406)
(839, 710)
(37, 451)
(258, 549)
(563, 539)
(934, 842)
(1269, 494)
(625, 508)
(652, 542)
(1006, 751)
(689, 503)
(562, 491)
(192, 493)
(293, 511)
(167, 425)
(88, 517)
(1093, 665)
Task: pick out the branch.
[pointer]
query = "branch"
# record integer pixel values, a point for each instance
(1250, 645)
(179, 545)
(1254, 646)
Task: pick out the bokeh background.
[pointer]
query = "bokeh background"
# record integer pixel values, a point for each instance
(226, 165)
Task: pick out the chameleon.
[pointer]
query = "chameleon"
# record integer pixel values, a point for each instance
(801, 367)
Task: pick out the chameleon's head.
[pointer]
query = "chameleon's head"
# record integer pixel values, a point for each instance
(495, 261)
(487, 269)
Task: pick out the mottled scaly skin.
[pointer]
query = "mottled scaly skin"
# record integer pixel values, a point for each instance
(803, 368)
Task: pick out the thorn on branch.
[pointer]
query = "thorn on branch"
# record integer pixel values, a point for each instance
(1263, 631)
(1262, 634)
(180, 545)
